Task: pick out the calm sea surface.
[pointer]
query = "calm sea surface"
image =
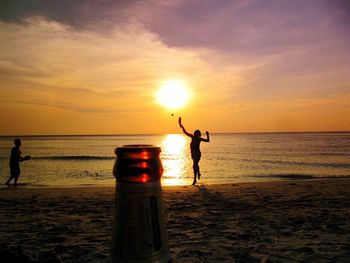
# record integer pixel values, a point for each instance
(228, 158)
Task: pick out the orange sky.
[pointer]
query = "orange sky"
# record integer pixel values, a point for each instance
(250, 67)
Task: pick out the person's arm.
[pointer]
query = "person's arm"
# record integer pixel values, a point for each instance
(207, 139)
(26, 158)
(22, 159)
(183, 128)
(184, 131)
(16, 155)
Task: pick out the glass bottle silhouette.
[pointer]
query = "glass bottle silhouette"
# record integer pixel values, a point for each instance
(139, 233)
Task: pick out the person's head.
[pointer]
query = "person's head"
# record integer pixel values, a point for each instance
(17, 142)
(197, 133)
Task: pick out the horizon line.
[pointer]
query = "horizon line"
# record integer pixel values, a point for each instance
(149, 134)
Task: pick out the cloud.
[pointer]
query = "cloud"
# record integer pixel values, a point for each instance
(58, 65)
(79, 13)
(243, 27)
(242, 58)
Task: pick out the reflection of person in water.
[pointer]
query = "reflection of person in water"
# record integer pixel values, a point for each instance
(195, 149)
(15, 159)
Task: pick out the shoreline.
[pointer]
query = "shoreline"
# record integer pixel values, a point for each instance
(169, 187)
(263, 181)
(279, 221)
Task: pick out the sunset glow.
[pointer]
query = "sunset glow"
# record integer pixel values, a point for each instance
(230, 66)
(173, 94)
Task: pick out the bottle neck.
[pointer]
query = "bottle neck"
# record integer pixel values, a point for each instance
(138, 164)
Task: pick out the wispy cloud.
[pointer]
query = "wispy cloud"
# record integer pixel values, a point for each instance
(54, 61)
(248, 62)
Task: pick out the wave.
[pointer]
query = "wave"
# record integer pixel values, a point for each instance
(298, 163)
(75, 158)
(90, 158)
(330, 154)
(301, 176)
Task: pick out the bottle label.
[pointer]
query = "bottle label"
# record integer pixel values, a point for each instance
(138, 232)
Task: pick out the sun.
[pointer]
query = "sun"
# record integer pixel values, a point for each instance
(173, 94)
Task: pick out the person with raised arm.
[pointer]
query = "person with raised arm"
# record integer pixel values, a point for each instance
(196, 139)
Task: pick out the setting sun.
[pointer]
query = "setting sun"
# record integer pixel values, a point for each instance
(173, 94)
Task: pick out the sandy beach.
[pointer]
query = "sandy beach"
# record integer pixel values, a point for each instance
(289, 221)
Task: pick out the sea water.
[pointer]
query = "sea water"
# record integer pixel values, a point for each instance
(228, 158)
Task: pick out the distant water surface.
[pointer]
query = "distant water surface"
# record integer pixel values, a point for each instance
(228, 158)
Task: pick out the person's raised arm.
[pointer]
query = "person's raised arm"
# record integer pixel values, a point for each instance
(207, 139)
(183, 128)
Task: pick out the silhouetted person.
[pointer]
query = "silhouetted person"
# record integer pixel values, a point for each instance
(195, 149)
(15, 159)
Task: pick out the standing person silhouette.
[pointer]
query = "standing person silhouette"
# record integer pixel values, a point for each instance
(15, 159)
(195, 149)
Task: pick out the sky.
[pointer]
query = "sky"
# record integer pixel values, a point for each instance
(94, 66)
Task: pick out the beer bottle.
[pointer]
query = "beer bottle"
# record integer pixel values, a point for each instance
(139, 233)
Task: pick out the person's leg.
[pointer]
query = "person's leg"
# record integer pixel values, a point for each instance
(195, 171)
(16, 178)
(12, 175)
(9, 180)
(16, 175)
(198, 172)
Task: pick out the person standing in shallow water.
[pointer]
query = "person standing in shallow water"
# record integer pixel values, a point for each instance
(195, 149)
(15, 159)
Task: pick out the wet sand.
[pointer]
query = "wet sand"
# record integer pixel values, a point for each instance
(290, 221)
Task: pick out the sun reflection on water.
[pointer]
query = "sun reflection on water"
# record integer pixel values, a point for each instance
(174, 159)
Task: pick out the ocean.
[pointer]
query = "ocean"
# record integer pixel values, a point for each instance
(228, 158)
